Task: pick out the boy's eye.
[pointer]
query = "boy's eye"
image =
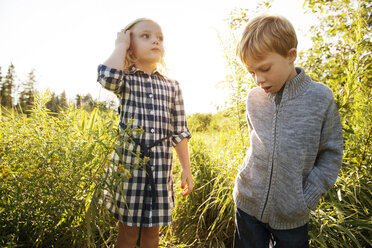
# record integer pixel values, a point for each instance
(265, 69)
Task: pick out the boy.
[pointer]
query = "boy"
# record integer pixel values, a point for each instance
(295, 140)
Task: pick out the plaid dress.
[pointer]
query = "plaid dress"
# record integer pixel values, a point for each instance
(154, 103)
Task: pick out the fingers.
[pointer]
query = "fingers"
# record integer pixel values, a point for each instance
(124, 32)
(123, 38)
(187, 186)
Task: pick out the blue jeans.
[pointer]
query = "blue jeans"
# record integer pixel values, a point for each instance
(251, 233)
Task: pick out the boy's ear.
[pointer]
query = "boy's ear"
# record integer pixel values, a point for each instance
(292, 55)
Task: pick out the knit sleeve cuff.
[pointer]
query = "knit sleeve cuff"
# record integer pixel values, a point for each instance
(312, 195)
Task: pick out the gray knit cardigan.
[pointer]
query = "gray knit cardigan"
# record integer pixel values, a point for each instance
(295, 153)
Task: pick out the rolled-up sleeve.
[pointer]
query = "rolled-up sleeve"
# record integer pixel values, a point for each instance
(181, 130)
(111, 79)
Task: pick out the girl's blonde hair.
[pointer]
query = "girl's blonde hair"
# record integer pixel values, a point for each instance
(264, 34)
(130, 59)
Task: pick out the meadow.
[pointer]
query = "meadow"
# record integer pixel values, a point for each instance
(51, 169)
(52, 164)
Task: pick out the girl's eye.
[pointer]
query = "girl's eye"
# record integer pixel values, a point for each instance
(146, 36)
(160, 38)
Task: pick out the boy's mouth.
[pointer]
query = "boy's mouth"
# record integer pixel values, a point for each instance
(266, 89)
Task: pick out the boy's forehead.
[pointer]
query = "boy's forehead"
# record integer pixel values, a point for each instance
(253, 64)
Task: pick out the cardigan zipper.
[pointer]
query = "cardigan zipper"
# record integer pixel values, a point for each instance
(272, 162)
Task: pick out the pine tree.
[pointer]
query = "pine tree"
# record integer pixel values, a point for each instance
(63, 101)
(1, 85)
(52, 105)
(78, 99)
(88, 102)
(26, 97)
(7, 87)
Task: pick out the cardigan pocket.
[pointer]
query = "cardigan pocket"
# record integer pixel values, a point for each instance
(290, 201)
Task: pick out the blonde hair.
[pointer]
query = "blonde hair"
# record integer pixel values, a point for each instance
(130, 59)
(264, 34)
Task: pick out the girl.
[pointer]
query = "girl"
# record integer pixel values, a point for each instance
(153, 102)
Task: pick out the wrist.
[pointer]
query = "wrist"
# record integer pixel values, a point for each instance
(186, 166)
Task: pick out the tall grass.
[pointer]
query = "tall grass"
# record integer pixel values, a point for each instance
(52, 176)
(206, 217)
(49, 165)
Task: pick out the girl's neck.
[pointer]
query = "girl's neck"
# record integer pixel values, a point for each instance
(148, 69)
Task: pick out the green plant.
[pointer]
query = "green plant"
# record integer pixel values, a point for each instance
(49, 165)
(206, 217)
(340, 58)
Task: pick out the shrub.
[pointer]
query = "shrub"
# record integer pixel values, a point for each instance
(49, 166)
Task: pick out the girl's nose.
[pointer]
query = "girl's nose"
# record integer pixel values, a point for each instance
(155, 41)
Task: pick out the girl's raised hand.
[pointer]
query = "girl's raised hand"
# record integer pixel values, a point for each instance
(122, 44)
(123, 40)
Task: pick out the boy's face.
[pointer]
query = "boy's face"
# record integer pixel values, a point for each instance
(272, 72)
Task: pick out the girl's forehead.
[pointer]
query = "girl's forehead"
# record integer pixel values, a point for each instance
(149, 26)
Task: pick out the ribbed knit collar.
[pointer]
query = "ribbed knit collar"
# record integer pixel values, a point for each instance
(295, 86)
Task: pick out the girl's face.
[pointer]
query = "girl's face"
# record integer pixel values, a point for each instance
(147, 43)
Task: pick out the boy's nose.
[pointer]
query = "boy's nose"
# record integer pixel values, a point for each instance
(259, 80)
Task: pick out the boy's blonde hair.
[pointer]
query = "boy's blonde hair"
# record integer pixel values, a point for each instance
(130, 58)
(264, 34)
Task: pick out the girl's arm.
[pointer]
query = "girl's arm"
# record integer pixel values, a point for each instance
(186, 175)
(122, 44)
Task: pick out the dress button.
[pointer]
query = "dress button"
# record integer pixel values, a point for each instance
(150, 95)
(152, 130)
(152, 112)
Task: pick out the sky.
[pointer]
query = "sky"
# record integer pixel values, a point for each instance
(65, 41)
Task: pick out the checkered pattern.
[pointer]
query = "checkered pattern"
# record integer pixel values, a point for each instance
(154, 103)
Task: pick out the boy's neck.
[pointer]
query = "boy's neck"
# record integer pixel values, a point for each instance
(293, 74)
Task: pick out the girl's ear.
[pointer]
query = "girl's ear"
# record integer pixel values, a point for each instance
(292, 55)
(131, 53)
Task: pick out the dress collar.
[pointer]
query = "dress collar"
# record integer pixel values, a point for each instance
(133, 70)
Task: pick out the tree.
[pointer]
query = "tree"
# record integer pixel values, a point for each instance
(53, 103)
(7, 87)
(27, 95)
(237, 79)
(63, 100)
(1, 85)
(199, 122)
(340, 58)
(1, 78)
(88, 102)
(78, 99)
